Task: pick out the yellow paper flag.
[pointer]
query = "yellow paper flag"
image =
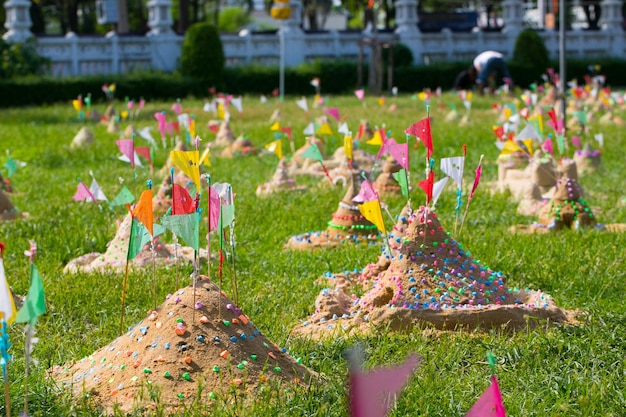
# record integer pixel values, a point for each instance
(529, 146)
(376, 139)
(347, 146)
(507, 113)
(276, 147)
(324, 129)
(189, 163)
(372, 212)
(381, 101)
(468, 96)
(204, 158)
(143, 210)
(124, 114)
(221, 114)
(76, 104)
(192, 128)
(275, 127)
(510, 147)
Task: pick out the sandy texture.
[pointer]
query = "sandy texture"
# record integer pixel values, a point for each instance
(385, 183)
(346, 226)
(431, 281)
(224, 136)
(7, 209)
(190, 349)
(117, 249)
(280, 182)
(240, 147)
(83, 139)
(587, 159)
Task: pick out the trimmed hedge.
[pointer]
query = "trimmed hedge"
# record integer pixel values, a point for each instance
(336, 78)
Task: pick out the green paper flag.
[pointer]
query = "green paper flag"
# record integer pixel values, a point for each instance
(11, 167)
(581, 116)
(403, 180)
(187, 226)
(136, 241)
(560, 142)
(227, 216)
(35, 304)
(124, 197)
(313, 152)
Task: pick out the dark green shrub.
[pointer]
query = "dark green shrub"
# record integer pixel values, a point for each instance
(19, 59)
(531, 54)
(202, 56)
(402, 56)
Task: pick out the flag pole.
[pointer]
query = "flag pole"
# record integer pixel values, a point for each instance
(208, 235)
(124, 289)
(459, 194)
(469, 200)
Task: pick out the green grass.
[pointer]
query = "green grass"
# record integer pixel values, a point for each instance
(556, 371)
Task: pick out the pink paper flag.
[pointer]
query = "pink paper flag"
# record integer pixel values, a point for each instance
(576, 141)
(127, 147)
(142, 103)
(177, 107)
(366, 193)
(130, 104)
(372, 393)
(214, 208)
(83, 193)
(227, 100)
(334, 112)
(490, 402)
(387, 144)
(360, 94)
(422, 130)
(547, 146)
(400, 152)
(479, 172)
(160, 117)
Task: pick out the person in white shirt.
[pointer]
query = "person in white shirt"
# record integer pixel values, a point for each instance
(491, 68)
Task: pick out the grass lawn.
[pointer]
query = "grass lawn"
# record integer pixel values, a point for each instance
(557, 371)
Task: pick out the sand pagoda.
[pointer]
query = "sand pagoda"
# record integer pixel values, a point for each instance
(307, 166)
(431, 281)
(343, 173)
(347, 225)
(385, 182)
(83, 139)
(190, 350)
(7, 209)
(587, 159)
(281, 181)
(242, 146)
(224, 136)
(117, 249)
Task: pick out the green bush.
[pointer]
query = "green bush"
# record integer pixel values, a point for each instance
(19, 59)
(202, 56)
(402, 56)
(232, 19)
(531, 55)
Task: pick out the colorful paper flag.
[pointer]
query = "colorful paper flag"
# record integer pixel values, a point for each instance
(334, 112)
(400, 152)
(490, 402)
(123, 197)
(313, 152)
(403, 180)
(143, 210)
(188, 163)
(453, 167)
(276, 147)
(366, 193)
(182, 203)
(135, 240)
(438, 189)
(324, 129)
(11, 166)
(83, 193)
(7, 305)
(479, 172)
(35, 303)
(347, 146)
(371, 211)
(302, 104)
(427, 185)
(422, 130)
(187, 226)
(360, 94)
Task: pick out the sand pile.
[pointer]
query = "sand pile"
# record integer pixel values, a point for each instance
(347, 226)
(83, 139)
(281, 181)
(343, 172)
(385, 182)
(5, 184)
(566, 210)
(187, 350)
(242, 146)
(432, 281)
(7, 209)
(117, 249)
(225, 136)
(307, 166)
(587, 159)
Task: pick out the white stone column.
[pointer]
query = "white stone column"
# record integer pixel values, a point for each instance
(73, 38)
(294, 37)
(512, 17)
(17, 21)
(160, 17)
(611, 21)
(406, 17)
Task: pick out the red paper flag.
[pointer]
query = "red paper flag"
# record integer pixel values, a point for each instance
(182, 203)
(422, 131)
(145, 152)
(479, 172)
(427, 186)
(287, 130)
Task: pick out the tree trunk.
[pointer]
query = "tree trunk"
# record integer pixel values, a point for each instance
(183, 16)
(72, 15)
(122, 16)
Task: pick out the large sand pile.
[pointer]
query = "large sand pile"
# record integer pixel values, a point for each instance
(431, 281)
(190, 349)
(281, 181)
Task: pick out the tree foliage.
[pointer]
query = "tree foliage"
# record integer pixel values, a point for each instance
(202, 55)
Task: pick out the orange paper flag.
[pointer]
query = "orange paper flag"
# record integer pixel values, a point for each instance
(143, 210)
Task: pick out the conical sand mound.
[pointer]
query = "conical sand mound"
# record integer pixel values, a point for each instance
(117, 249)
(342, 174)
(83, 139)
(385, 183)
(566, 210)
(188, 350)
(225, 136)
(347, 226)
(587, 159)
(7, 209)
(432, 281)
(281, 181)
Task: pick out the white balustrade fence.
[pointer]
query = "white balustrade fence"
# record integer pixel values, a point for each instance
(160, 49)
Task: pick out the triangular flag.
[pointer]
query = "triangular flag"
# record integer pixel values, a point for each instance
(127, 148)
(213, 210)
(35, 304)
(386, 146)
(7, 305)
(560, 143)
(144, 151)
(309, 129)
(510, 147)
(366, 193)
(490, 402)
(453, 167)
(324, 129)
(11, 167)
(182, 203)
(135, 240)
(479, 172)
(287, 131)
(371, 211)
(275, 127)
(529, 132)
(599, 137)
(83, 193)
(343, 128)
(143, 210)
(237, 103)
(547, 146)
(373, 393)
(276, 147)
(438, 189)
(376, 139)
(347, 146)
(422, 131)
(427, 185)
(96, 191)
(360, 94)
(313, 152)
(204, 158)
(302, 104)
(334, 112)
(528, 144)
(400, 152)
(123, 197)
(136, 159)
(186, 226)
(188, 163)
(227, 216)
(403, 180)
